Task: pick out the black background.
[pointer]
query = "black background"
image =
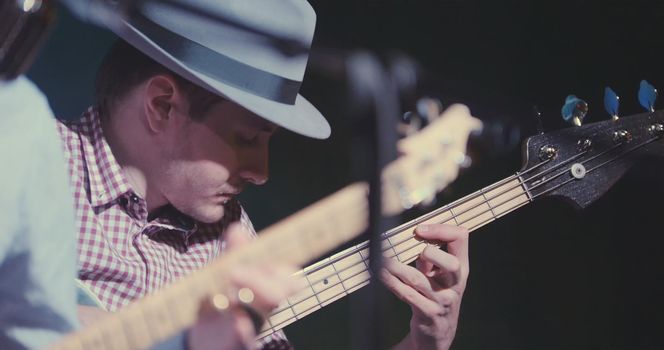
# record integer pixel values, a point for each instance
(544, 277)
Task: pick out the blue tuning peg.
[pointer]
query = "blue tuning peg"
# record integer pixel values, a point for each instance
(574, 110)
(647, 96)
(611, 102)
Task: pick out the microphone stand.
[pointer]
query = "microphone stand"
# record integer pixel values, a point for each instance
(374, 92)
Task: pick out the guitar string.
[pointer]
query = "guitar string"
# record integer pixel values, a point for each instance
(457, 203)
(413, 223)
(396, 245)
(471, 197)
(334, 297)
(521, 182)
(466, 220)
(388, 234)
(428, 215)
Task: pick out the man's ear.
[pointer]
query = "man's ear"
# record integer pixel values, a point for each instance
(163, 97)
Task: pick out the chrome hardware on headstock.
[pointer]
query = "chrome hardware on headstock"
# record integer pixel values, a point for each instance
(547, 152)
(583, 145)
(582, 163)
(578, 171)
(656, 129)
(622, 136)
(647, 96)
(574, 110)
(611, 102)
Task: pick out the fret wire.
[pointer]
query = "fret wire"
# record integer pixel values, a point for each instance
(333, 296)
(469, 229)
(530, 196)
(315, 294)
(357, 249)
(418, 242)
(493, 197)
(269, 328)
(353, 265)
(484, 212)
(458, 203)
(393, 248)
(290, 306)
(365, 244)
(447, 207)
(313, 290)
(364, 261)
(341, 280)
(454, 216)
(284, 323)
(488, 203)
(338, 276)
(442, 210)
(422, 243)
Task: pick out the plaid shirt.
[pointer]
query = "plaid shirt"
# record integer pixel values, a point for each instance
(121, 255)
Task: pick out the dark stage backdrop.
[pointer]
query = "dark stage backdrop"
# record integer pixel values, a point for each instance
(544, 277)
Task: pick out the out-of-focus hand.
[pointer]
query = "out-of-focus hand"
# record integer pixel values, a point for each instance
(270, 284)
(433, 288)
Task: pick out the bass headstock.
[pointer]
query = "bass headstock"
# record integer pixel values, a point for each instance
(579, 164)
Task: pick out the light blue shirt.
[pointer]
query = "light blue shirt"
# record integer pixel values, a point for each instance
(37, 235)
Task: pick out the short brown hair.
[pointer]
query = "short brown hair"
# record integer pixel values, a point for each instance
(124, 67)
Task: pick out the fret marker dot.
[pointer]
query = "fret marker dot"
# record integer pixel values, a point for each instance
(325, 281)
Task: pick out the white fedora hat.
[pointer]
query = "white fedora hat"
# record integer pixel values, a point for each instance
(238, 64)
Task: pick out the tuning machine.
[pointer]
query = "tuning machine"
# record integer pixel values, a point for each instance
(574, 110)
(647, 96)
(611, 102)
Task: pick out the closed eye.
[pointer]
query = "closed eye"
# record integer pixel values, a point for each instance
(246, 139)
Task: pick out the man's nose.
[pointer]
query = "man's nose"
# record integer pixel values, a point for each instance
(255, 171)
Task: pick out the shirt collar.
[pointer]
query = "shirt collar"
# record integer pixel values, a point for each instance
(170, 219)
(107, 181)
